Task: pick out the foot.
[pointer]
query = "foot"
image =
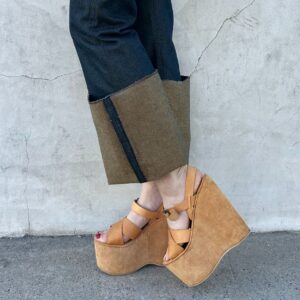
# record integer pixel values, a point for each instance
(172, 189)
(150, 199)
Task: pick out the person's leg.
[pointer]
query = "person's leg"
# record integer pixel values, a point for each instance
(145, 137)
(155, 27)
(105, 40)
(220, 227)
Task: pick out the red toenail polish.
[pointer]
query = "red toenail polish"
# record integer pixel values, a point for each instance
(98, 235)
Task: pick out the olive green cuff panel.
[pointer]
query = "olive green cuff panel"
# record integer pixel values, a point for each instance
(178, 93)
(154, 116)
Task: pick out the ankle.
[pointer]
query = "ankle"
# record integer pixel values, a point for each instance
(150, 197)
(183, 221)
(172, 187)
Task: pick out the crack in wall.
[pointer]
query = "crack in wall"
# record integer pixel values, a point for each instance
(26, 170)
(40, 78)
(228, 19)
(25, 188)
(4, 168)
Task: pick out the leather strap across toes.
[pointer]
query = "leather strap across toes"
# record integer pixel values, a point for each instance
(125, 227)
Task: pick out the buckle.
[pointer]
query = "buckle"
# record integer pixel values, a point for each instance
(166, 213)
(172, 214)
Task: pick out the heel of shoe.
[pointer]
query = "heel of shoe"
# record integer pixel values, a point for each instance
(228, 227)
(216, 228)
(158, 242)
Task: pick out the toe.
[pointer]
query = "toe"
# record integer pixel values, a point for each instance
(166, 258)
(103, 237)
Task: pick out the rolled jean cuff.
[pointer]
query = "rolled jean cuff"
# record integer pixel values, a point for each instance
(143, 130)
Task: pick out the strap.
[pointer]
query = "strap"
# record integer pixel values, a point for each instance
(189, 189)
(148, 214)
(190, 182)
(181, 236)
(175, 238)
(130, 229)
(126, 227)
(186, 204)
(114, 235)
(122, 227)
(171, 213)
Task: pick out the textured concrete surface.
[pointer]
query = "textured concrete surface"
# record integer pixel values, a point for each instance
(265, 266)
(243, 56)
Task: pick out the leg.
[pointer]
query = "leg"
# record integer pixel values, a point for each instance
(113, 58)
(155, 29)
(192, 269)
(105, 40)
(154, 25)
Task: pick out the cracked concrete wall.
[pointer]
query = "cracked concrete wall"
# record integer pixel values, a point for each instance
(243, 57)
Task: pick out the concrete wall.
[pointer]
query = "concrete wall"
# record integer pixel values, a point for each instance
(244, 59)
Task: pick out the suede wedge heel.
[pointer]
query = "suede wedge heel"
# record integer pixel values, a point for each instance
(216, 228)
(146, 246)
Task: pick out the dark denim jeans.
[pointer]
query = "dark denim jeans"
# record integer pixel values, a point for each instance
(121, 41)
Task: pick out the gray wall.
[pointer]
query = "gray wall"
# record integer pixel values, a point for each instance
(243, 57)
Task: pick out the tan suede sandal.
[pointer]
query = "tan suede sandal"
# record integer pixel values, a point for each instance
(146, 246)
(216, 227)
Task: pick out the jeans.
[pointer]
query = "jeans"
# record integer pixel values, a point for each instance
(138, 99)
(121, 41)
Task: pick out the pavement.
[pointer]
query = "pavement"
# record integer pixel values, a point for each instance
(265, 266)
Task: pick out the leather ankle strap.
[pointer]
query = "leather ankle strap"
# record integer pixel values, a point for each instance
(146, 213)
(186, 204)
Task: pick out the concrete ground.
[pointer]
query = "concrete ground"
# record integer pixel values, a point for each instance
(265, 266)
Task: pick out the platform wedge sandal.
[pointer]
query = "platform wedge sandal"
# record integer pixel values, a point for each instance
(215, 228)
(146, 246)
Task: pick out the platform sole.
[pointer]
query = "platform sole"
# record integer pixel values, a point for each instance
(148, 248)
(216, 229)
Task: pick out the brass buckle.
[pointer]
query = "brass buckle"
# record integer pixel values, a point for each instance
(166, 213)
(171, 214)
